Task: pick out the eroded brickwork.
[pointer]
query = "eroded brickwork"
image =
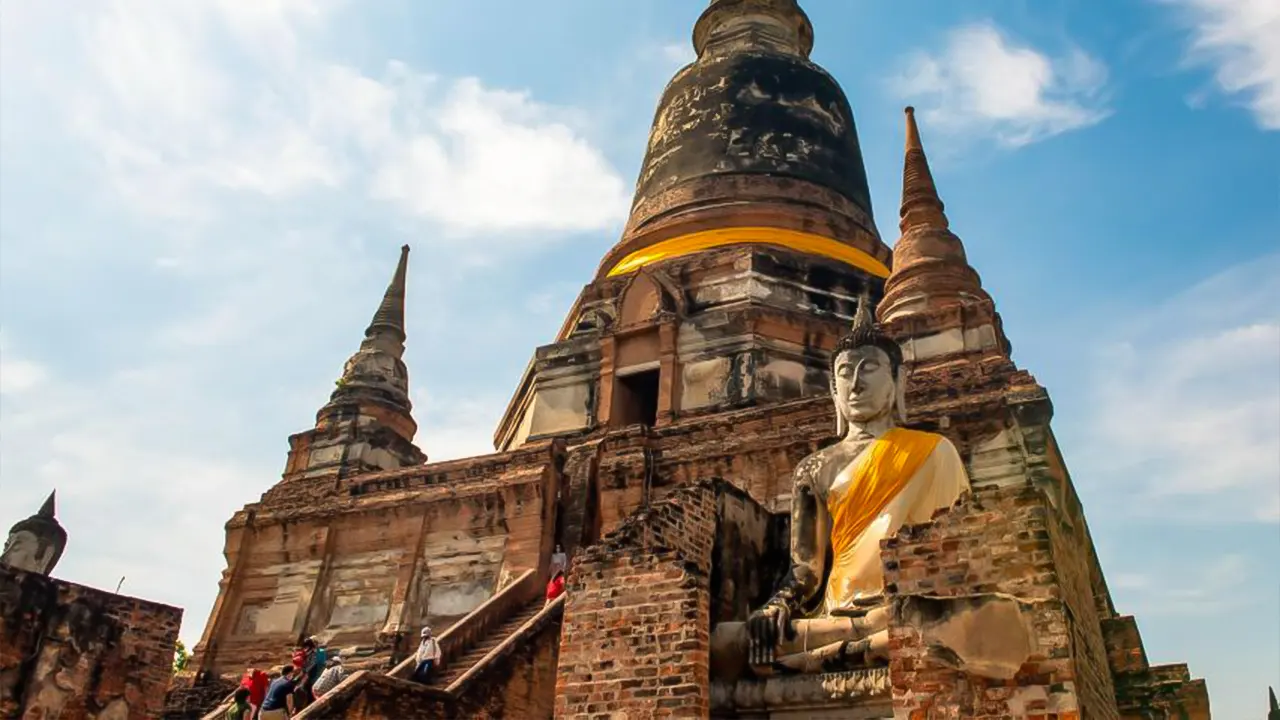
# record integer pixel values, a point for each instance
(1143, 691)
(636, 638)
(1165, 692)
(188, 699)
(1001, 545)
(355, 562)
(73, 652)
(378, 697)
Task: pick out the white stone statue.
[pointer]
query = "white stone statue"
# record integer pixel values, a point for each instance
(846, 499)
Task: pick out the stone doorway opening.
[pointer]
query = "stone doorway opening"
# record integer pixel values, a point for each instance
(636, 398)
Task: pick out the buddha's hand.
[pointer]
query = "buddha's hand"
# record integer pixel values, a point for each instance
(765, 629)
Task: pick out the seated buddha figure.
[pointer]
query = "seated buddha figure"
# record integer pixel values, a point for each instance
(830, 611)
(35, 544)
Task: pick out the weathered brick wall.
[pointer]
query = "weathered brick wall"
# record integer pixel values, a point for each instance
(73, 652)
(750, 557)
(1125, 652)
(1072, 565)
(1165, 692)
(636, 637)
(754, 448)
(378, 554)
(579, 496)
(1144, 692)
(524, 686)
(374, 696)
(997, 546)
(190, 697)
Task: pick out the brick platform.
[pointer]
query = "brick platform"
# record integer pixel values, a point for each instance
(70, 651)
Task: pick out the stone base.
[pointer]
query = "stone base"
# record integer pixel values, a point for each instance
(852, 695)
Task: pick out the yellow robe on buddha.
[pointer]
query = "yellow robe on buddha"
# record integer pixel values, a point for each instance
(903, 477)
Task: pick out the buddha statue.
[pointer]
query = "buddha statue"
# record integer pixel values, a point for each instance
(830, 611)
(35, 544)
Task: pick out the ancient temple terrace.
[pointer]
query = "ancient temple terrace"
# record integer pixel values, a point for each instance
(792, 467)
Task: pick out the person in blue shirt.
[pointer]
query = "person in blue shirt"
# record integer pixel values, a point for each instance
(278, 704)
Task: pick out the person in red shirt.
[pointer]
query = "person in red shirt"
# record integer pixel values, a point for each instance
(303, 658)
(555, 588)
(255, 681)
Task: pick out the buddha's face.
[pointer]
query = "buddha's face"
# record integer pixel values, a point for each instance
(865, 387)
(22, 551)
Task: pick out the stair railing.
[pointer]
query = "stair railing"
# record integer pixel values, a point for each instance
(221, 710)
(465, 633)
(522, 634)
(350, 684)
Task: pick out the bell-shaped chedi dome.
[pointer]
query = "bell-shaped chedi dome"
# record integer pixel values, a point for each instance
(752, 143)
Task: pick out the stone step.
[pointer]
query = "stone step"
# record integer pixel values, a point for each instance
(478, 651)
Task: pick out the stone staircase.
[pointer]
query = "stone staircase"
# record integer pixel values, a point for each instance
(475, 644)
(460, 669)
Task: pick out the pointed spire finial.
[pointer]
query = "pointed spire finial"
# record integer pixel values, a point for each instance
(390, 314)
(49, 508)
(865, 331)
(913, 131)
(1274, 713)
(862, 319)
(920, 202)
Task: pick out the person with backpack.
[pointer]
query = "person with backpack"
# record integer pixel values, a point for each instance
(240, 708)
(428, 657)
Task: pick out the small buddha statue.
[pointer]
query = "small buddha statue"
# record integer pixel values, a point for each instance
(36, 544)
(830, 611)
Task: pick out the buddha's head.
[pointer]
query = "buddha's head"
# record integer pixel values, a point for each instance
(866, 373)
(36, 544)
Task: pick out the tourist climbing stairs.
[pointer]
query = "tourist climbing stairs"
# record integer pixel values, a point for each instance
(476, 643)
(469, 662)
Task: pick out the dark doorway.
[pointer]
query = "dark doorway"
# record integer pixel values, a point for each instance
(635, 399)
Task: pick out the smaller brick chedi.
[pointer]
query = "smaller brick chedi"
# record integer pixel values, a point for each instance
(797, 473)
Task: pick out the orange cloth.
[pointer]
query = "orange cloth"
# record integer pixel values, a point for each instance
(880, 473)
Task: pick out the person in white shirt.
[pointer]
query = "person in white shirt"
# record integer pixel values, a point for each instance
(428, 656)
(559, 560)
(331, 676)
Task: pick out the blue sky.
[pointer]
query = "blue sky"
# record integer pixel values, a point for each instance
(200, 203)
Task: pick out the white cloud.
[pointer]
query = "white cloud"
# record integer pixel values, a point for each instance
(158, 351)
(984, 83)
(179, 99)
(17, 374)
(1240, 39)
(1188, 406)
(455, 426)
(495, 161)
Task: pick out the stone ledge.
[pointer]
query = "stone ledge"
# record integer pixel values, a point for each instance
(857, 694)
